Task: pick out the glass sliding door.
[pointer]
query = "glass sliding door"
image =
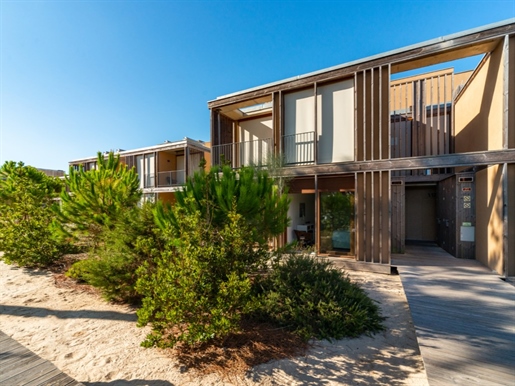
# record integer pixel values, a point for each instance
(337, 222)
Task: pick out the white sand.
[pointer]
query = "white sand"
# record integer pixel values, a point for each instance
(99, 344)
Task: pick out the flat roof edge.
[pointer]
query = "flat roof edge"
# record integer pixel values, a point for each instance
(373, 57)
(162, 146)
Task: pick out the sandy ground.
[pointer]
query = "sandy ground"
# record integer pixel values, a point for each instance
(99, 344)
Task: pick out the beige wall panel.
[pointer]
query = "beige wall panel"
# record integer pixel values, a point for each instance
(489, 220)
(166, 162)
(299, 112)
(479, 109)
(251, 132)
(259, 128)
(335, 122)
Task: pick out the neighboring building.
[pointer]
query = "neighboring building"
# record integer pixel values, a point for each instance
(162, 169)
(375, 162)
(52, 172)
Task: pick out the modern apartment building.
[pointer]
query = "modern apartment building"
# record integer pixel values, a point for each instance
(376, 159)
(162, 169)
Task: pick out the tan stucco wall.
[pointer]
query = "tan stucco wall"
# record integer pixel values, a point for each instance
(166, 162)
(166, 197)
(489, 218)
(479, 109)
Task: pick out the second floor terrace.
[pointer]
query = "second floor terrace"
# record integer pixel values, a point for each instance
(162, 167)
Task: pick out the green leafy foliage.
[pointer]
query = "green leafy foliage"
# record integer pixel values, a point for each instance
(133, 240)
(97, 198)
(315, 300)
(216, 235)
(249, 191)
(26, 201)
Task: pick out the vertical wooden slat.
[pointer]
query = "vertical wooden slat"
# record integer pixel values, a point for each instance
(372, 210)
(387, 215)
(381, 112)
(315, 123)
(368, 219)
(360, 208)
(359, 117)
(439, 118)
(365, 155)
(317, 215)
(446, 118)
(385, 114)
(373, 138)
(356, 156)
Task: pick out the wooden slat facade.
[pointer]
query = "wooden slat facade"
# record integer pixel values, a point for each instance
(403, 133)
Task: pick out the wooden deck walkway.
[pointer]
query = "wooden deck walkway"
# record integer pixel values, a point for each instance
(20, 366)
(464, 317)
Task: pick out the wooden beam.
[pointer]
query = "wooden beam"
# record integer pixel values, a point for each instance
(442, 51)
(492, 157)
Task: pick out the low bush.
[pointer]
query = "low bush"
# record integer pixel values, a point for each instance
(315, 300)
(27, 200)
(112, 266)
(199, 287)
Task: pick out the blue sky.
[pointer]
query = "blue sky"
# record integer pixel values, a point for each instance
(77, 77)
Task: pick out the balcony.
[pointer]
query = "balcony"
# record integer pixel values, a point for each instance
(148, 180)
(299, 149)
(171, 178)
(238, 154)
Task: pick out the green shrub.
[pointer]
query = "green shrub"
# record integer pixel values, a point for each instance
(97, 199)
(199, 287)
(112, 266)
(26, 214)
(216, 239)
(313, 299)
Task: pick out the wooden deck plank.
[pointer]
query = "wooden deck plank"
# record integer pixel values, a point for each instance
(20, 366)
(43, 379)
(27, 373)
(463, 315)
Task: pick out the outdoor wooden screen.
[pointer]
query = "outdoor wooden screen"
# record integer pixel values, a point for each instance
(373, 188)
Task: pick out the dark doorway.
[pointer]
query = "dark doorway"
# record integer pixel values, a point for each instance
(421, 213)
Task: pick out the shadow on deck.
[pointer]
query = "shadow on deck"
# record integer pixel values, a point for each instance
(464, 316)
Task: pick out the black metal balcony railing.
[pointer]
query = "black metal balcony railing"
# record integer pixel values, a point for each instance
(238, 154)
(171, 178)
(299, 148)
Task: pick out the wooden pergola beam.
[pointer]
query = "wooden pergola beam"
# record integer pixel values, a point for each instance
(483, 158)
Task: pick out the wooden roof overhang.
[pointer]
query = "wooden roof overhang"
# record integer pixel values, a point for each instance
(480, 158)
(452, 47)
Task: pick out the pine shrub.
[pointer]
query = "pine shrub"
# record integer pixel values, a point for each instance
(315, 300)
(27, 199)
